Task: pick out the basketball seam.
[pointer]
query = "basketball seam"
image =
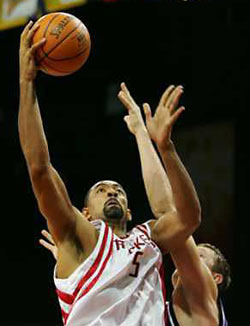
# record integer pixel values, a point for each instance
(67, 58)
(45, 32)
(51, 50)
(47, 27)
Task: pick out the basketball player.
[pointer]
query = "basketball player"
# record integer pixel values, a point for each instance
(104, 275)
(214, 261)
(202, 272)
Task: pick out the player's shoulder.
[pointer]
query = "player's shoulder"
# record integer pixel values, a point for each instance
(145, 228)
(149, 225)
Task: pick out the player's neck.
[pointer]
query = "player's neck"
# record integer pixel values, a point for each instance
(118, 227)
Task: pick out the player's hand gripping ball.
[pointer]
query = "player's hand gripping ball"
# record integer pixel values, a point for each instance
(67, 45)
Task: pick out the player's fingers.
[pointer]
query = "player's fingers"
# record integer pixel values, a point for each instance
(32, 31)
(48, 236)
(176, 115)
(46, 245)
(175, 99)
(124, 88)
(127, 92)
(37, 45)
(126, 119)
(147, 112)
(166, 94)
(26, 29)
(172, 96)
(125, 101)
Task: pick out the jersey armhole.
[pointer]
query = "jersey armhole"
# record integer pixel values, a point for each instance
(86, 265)
(147, 226)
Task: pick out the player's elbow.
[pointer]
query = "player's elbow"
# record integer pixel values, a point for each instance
(191, 216)
(38, 172)
(159, 211)
(193, 219)
(37, 159)
(189, 221)
(197, 215)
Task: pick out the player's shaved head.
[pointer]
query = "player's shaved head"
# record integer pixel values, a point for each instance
(101, 183)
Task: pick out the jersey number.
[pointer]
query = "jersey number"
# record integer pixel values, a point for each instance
(136, 263)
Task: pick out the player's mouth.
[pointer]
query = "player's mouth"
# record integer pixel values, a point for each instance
(112, 202)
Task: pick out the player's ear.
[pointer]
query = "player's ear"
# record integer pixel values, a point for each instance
(174, 278)
(218, 278)
(129, 215)
(86, 213)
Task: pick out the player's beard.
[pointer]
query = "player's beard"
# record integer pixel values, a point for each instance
(114, 212)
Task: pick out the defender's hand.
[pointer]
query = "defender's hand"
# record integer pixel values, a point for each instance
(134, 118)
(49, 244)
(160, 125)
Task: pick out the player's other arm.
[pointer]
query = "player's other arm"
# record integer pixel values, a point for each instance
(196, 282)
(173, 224)
(156, 183)
(172, 231)
(169, 231)
(49, 189)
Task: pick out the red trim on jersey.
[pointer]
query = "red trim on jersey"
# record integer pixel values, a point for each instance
(95, 279)
(94, 267)
(146, 233)
(144, 227)
(143, 231)
(69, 298)
(65, 297)
(64, 316)
(164, 292)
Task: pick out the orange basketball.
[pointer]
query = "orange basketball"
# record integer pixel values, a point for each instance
(67, 44)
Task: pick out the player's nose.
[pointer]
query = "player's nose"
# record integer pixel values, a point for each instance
(112, 193)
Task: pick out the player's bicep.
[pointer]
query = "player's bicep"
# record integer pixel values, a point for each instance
(53, 201)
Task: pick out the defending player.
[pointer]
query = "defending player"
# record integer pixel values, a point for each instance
(202, 272)
(101, 278)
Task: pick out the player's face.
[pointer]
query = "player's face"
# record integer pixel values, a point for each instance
(207, 255)
(108, 201)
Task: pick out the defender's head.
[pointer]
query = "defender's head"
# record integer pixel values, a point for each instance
(106, 200)
(217, 264)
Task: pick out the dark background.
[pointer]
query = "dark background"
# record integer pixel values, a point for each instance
(202, 45)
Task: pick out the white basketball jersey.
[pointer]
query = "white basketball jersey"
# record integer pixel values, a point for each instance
(119, 284)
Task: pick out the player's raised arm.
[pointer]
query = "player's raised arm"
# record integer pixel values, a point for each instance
(196, 284)
(157, 186)
(50, 192)
(172, 232)
(199, 287)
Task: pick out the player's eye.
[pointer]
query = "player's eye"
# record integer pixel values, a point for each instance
(100, 190)
(120, 191)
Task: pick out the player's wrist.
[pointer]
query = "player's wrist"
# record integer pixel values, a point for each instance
(141, 131)
(167, 146)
